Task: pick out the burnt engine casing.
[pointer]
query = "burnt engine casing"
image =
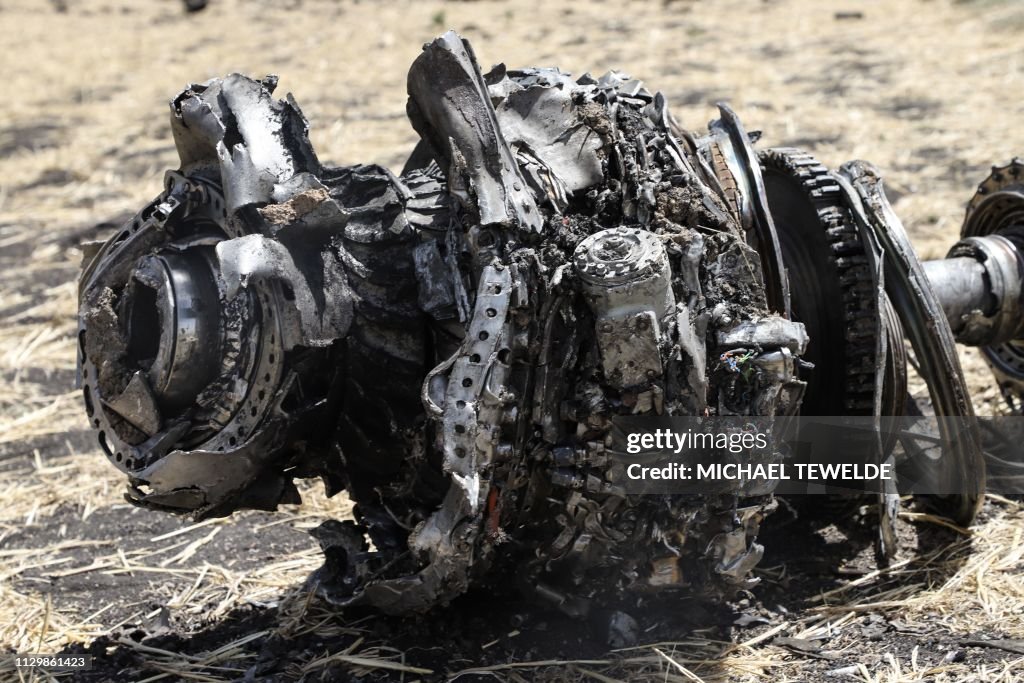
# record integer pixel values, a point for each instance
(452, 345)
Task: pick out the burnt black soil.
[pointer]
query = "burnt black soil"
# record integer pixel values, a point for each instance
(803, 559)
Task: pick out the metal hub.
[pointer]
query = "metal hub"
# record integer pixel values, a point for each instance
(618, 255)
(997, 209)
(174, 326)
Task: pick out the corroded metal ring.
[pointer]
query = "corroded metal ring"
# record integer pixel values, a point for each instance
(166, 361)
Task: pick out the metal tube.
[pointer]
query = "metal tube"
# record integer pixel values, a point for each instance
(979, 289)
(960, 285)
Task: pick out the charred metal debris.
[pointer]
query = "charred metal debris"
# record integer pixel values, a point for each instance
(450, 345)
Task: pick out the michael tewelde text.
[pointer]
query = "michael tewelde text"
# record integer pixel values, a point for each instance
(777, 471)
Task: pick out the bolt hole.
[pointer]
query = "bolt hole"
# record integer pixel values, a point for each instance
(475, 358)
(483, 336)
(89, 409)
(467, 382)
(491, 313)
(102, 436)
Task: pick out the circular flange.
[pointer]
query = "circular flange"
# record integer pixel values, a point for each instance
(166, 361)
(618, 255)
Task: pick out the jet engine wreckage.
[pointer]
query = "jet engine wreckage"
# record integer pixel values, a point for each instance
(450, 345)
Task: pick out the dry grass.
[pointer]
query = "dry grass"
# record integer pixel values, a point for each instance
(928, 90)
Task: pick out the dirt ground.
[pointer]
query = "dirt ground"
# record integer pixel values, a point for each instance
(929, 90)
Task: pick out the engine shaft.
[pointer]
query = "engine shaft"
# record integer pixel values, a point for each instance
(979, 286)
